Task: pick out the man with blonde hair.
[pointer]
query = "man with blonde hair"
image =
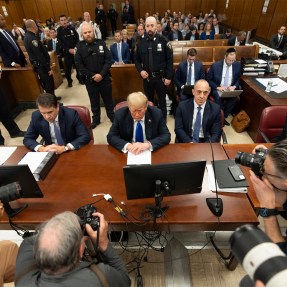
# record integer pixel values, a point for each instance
(138, 127)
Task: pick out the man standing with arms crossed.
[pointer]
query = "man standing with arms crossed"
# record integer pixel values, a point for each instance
(154, 62)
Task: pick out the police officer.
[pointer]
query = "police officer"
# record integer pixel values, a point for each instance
(93, 59)
(113, 15)
(154, 62)
(101, 21)
(39, 57)
(68, 38)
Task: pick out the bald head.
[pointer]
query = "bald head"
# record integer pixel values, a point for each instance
(88, 32)
(150, 26)
(31, 25)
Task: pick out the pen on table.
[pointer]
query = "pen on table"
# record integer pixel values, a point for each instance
(274, 85)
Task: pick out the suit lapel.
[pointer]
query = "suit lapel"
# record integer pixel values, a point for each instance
(45, 127)
(129, 125)
(205, 117)
(62, 125)
(148, 125)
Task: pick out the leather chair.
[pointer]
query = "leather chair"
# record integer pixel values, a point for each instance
(125, 103)
(85, 116)
(271, 123)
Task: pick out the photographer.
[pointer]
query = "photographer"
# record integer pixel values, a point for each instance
(8, 253)
(271, 191)
(53, 257)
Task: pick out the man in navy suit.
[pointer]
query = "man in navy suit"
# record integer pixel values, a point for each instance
(10, 52)
(199, 108)
(120, 50)
(138, 127)
(279, 40)
(238, 40)
(60, 127)
(175, 34)
(225, 75)
(187, 73)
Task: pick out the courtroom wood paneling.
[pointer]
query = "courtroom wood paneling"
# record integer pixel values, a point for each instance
(176, 5)
(146, 6)
(255, 14)
(161, 6)
(229, 12)
(194, 7)
(246, 14)
(236, 18)
(207, 5)
(45, 9)
(30, 9)
(59, 7)
(89, 6)
(75, 9)
(15, 13)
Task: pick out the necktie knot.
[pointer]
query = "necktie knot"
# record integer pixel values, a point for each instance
(199, 108)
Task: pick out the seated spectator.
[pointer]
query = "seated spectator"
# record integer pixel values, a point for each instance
(125, 38)
(119, 50)
(207, 34)
(175, 34)
(279, 40)
(238, 40)
(187, 73)
(46, 36)
(227, 34)
(54, 256)
(185, 31)
(87, 19)
(201, 27)
(192, 35)
(8, 254)
(216, 27)
(61, 128)
(138, 127)
(160, 31)
(225, 75)
(198, 120)
(18, 32)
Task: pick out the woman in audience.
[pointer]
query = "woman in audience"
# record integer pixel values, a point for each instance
(46, 36)
(193, 34)
(185, 31)
(207, 34)
(18, 32)
(200, 28)
(125, 38)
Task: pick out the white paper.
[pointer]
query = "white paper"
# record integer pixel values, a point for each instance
(260, 61)
(141, 158)
(211, 183)
(5, 153)
(33, 159)
(278, 85)
(282, 72)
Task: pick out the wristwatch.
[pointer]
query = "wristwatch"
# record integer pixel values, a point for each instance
(265, 212)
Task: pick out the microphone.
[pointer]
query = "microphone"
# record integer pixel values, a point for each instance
(215, 204)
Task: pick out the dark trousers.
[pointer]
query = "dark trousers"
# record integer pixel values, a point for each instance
(114, 26)
(227, 104)
(156, 85)
(103, 89)
(47, 82)
(6, 118)
(69, 62)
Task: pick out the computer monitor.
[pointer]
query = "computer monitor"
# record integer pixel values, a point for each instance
(29, 187)
(250, 35)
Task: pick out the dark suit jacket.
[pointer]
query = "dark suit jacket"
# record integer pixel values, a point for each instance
(121, 131)
(58, 47)
(214, 74)
(126, 56)
(9, 54)
(231, 41)
(274, 43)
(181, 73)
(189, 34)
(211, 122)
(221, 30)
(179, 36)
(72, 129)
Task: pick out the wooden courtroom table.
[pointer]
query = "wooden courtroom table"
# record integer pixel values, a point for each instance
(253, 100)
(99, 169)
(231, 151)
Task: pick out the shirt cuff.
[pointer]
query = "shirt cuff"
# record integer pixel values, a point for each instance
(71, 146)
(37, 147)
(124, 150)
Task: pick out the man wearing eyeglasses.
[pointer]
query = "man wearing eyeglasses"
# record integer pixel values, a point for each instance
(138, 127)
(271, 192)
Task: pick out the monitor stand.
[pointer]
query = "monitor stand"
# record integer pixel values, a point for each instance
(157, 211)
(12, 212)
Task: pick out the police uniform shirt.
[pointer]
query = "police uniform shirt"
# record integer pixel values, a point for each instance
(68, 37)
(162, 56)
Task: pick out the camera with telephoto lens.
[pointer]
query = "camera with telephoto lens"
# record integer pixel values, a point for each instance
(85, 214)
(254, 161)
(261, 258)
(10, 192)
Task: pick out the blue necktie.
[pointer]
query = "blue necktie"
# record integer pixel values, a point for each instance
(119, 52)
(11, 41)
(188, 82)
(58, 134)
(197, 125)
(54, 44)
(139, 133)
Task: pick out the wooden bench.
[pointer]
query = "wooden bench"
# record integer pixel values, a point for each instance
(198, 43)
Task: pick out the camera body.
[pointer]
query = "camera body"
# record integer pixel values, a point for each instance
(254, 161)
(261, 258)
(10, 192)
(85, 214)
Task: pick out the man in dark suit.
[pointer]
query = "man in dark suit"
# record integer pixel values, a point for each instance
(10, 52)
(216, 27)
(61, 128)
(238, 40)
(187, 73)
(138, 127)
(175, 34)
(198, 120)
(120, 50)
(278, 41)
(130, 11)
(225, 75)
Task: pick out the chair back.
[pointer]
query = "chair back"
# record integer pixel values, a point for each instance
(85, 117)
(271, 123)
(125, 104)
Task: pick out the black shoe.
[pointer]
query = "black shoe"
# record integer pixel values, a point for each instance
(81, 82)
(226, 123)
(94, 124)
(19, 134)
(59, 98)
(70, 85)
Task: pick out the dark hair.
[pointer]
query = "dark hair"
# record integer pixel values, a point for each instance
(62, 15)
(191, 52)
(47, 100)
(278, 154)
